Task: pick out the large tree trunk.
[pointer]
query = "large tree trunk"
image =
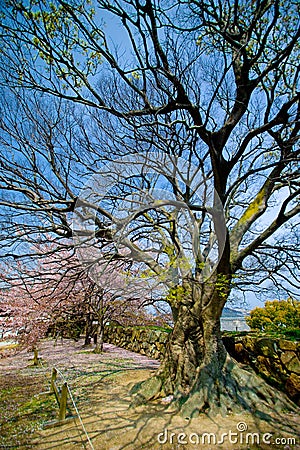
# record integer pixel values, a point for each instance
(88, 329)
(99, 336)
(100, 325)
(198, 376)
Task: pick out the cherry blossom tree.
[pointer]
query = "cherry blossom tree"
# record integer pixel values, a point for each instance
(57, 295)
(38, 298)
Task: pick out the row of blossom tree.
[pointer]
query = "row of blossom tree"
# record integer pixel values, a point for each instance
(55, 295)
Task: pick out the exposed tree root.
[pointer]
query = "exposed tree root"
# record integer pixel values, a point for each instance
(234, 391)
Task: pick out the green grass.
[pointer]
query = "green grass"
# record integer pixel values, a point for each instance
(22, 409)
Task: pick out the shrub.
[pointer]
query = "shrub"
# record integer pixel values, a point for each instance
(276, 316)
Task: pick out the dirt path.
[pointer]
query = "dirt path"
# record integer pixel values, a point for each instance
(100, 386)
(68, 354)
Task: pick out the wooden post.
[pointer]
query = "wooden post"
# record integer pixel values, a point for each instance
(53, 379)
(53, 387)
(63, 402)
(61, 398)
(35, 357)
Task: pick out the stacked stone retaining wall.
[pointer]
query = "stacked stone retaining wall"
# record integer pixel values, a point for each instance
(277, 360)
(145, 341)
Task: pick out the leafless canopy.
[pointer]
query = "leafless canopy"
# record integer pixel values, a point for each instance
(213, 84)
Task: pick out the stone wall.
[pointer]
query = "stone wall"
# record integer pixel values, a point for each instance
(276, 360)
(144, 341)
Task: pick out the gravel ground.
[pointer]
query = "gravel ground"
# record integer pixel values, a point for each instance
(100, 385)
(68, 354)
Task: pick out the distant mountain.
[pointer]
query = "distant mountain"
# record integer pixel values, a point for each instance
(232, 313)
(234, 320)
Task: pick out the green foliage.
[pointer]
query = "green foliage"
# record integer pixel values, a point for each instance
(292, 333)
(276, 316)
(175, 295)
(222, 285)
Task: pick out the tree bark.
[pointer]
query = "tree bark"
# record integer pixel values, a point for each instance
(99, 338)
(198, 376)
(88, 330)
(100, 325)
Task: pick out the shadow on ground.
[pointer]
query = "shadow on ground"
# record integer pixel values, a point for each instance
(100, 385)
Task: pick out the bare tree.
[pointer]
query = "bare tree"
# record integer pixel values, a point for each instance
(213, 84)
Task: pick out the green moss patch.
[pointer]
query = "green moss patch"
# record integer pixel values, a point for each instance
(22, 409)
